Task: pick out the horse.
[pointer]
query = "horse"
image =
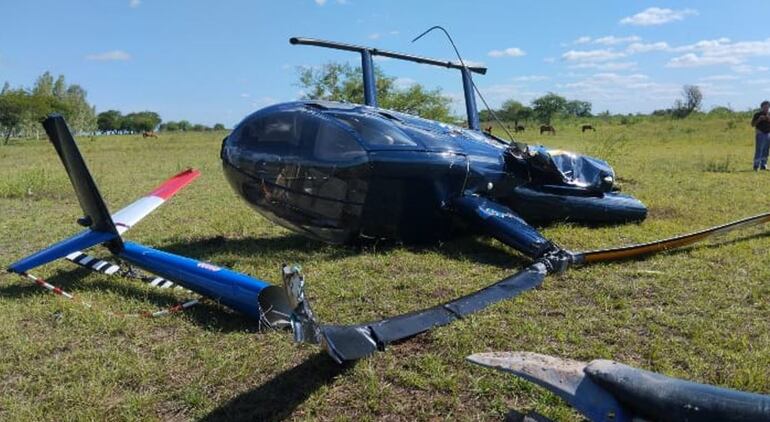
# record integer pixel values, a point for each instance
(547, 128)
(149, 135)
(488, 129)
(520, 128)
(587, 127)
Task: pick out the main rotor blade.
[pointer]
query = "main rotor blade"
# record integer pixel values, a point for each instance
(632, 251)
(352, 342)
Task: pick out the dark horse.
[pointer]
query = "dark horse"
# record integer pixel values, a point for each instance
(547, 128)
(587, 127)
(149, 135)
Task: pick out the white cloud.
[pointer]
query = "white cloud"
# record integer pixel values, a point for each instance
(509, 52)
(592, 55)
(134, 3)
(719, 52)
(605, 66)
(613, 40)
(582, 40)
(620, 89)
(647, 47)
(531, 78)
(320, 2)
(693, 60)
(245, 95)
(745, 68)
(657, 16)
(760, 81)
(114, 55)
(374, 36)
(719, 78)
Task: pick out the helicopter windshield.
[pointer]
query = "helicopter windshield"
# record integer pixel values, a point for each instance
(374, 132)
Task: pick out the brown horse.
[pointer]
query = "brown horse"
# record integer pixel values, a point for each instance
(547, 128)
(149, 135)
(587, 127)
(520, 128)
(488, 129)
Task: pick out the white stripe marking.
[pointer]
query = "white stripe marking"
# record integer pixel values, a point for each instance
(73, 255)
(166, 285)
(86, 260)
(156, 281)
(112, 270)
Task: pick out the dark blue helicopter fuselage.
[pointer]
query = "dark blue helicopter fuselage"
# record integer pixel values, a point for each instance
(338, 172)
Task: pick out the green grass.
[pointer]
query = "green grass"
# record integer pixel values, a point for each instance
(700, 313)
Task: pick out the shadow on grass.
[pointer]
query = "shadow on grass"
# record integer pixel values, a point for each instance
(206, 314)
(279, 397)
(294, 247)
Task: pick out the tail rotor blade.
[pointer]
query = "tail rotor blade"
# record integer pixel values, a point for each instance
(626, 252)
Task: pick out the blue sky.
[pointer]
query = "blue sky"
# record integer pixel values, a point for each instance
(210, 62)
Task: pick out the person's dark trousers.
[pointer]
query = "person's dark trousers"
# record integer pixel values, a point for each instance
(761, 150)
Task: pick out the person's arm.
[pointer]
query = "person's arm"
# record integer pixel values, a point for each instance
(755, 119)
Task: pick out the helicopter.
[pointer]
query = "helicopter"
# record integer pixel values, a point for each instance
(339, 172)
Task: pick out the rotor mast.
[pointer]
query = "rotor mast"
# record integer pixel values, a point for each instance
(370, 81)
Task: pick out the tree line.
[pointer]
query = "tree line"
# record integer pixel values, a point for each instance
(543, 109)
(22, 109)
(114, 122)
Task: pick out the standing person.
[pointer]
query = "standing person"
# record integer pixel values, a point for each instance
(761, 123)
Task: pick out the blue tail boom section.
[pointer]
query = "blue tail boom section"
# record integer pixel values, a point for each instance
(80, 241)
(250, 296)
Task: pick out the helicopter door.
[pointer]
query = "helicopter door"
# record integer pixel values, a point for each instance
(333, 181)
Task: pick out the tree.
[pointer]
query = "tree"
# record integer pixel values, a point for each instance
(219, 126)
(184, 125)
(692, 97)
(43, 85)
(514, 111)
(547, 106)
(342, 82)
(13, 106)
(143, 121)
(577, 108)
(109, 121)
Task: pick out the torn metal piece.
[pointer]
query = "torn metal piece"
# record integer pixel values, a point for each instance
(563, 377)
(301, 319)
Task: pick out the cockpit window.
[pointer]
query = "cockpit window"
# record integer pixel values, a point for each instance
(374, 132)
(332, 143)
(279, 130)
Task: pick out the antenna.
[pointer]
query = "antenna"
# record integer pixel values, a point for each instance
(470, 100)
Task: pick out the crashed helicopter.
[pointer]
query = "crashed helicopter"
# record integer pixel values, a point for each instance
(339, 172)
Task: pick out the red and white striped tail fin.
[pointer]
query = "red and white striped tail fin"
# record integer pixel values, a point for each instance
(136, 211)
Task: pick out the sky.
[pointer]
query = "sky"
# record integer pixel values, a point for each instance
(217, 61)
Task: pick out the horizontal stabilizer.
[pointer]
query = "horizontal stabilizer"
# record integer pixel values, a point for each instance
(82, 240)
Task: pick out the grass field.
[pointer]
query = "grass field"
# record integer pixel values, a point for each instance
(701, 313)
